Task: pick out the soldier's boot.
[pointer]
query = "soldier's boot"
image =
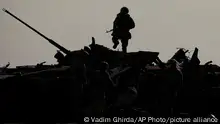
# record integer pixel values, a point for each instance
(124, 49)
(115, 41)
(124, 45)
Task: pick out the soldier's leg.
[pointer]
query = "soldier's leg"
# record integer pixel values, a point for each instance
(115, 41)
(124, 45)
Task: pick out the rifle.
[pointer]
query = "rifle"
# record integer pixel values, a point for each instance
(108, 31)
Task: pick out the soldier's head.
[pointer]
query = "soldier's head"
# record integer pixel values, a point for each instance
(124, 10)
(172, 64)
(104, 66)
(87, 49)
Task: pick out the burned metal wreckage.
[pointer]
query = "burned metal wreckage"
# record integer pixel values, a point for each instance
(150, 87)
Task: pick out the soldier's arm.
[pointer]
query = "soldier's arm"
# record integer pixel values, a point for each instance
(115, 23)
(110, 81)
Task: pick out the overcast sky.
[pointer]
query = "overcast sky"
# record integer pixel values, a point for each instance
(161, 26)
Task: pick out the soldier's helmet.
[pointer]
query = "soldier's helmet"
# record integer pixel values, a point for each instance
(104, 66)
(87, 49)
(124, 10)
(172, 63)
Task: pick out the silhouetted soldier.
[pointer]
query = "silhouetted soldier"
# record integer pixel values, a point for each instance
(174, 80)
(107, 83)
(100, 92)
(122, 24)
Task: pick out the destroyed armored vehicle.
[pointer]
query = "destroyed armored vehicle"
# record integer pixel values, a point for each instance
(57, 92)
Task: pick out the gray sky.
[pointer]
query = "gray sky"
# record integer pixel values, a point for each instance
(161, 26)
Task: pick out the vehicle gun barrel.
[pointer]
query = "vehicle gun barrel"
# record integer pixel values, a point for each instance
(50, 40)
